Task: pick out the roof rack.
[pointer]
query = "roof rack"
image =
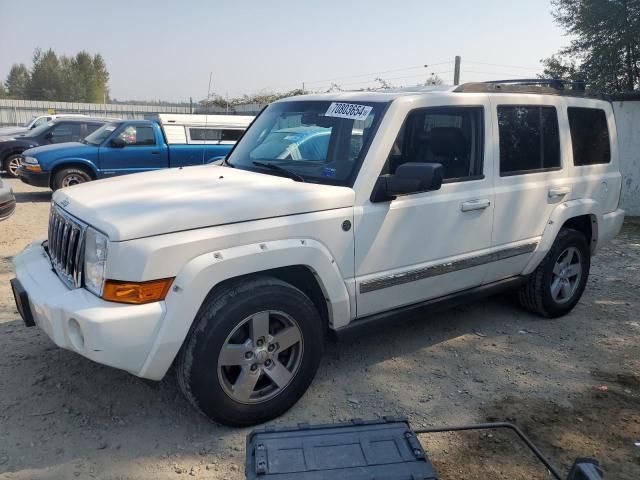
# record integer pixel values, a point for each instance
(540, 86)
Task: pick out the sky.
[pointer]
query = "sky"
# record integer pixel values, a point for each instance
(168, 49)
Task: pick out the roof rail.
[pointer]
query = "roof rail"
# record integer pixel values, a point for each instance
(540, 86)
(557, 83)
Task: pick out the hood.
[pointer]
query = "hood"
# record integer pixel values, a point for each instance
(70, 149)
(165, 201)
(8, 131)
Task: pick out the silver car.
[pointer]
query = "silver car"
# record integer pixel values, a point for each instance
(7, 201)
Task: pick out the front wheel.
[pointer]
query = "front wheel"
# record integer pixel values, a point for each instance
(554, 288)
(252, 352)
(11, 165)
(68, 177)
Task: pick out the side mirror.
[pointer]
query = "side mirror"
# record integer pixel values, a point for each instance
(116, 142)
(409, 178)
(48, 135)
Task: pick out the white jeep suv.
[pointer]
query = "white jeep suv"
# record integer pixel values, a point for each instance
(237, 273)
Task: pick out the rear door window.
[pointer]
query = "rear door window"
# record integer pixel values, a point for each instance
(65, 132)
(589, 136)
(529, 139)
(92, 127)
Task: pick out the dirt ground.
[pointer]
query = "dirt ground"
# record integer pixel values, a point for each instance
(573, 384)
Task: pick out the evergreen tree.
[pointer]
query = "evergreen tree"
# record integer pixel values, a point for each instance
(46, 76)
(100, 90)
(17, 83)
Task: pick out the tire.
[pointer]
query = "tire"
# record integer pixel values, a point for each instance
(68, 177)
(555, 287)
(11, 164)
(234, 318)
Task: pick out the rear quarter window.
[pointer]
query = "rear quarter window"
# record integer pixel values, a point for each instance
(589, 136)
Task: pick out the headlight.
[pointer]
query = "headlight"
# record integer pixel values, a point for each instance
(29, 161)
(95, 261)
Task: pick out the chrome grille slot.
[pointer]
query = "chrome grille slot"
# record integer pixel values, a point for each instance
(66, 246)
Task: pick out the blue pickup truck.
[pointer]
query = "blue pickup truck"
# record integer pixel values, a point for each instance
(130, 146)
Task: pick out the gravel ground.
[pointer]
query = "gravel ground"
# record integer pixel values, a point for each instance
(573, 384)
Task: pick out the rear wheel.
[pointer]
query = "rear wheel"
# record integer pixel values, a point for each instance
(252, 352)
(555, 287)
(68, 177)
(11, 165)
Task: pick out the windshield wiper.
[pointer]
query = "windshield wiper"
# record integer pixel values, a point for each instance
(278, 168)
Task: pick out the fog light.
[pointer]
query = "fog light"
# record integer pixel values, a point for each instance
(75, 334)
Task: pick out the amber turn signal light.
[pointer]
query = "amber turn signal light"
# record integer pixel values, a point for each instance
(136, 292)
(33, 168)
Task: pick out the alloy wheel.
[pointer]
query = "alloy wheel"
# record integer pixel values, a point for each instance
(14, 164)
(566, 275)
(260, 357)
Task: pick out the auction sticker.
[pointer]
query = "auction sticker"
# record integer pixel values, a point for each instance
(348, 110)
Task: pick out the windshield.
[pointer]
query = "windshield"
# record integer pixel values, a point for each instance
(101, 134)
(39, 130)
(323, 142)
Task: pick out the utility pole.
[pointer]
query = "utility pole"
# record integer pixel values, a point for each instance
(456, 71)
(303, 88)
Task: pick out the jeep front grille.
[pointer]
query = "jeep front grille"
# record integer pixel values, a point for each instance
(66, 246)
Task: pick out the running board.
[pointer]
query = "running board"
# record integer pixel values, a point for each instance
(372, 323)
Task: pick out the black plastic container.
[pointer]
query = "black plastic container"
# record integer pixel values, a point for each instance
(359, 450)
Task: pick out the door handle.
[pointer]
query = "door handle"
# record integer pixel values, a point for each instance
(559, 191)
(155, 153)
(475, 205)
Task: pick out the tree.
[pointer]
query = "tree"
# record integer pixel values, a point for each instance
(99, 90)
(46, 78)
(605, 50)
(68, 86)
(259, 98)
(384, 84)
(433, 80)
(82, 78)
(17, 82)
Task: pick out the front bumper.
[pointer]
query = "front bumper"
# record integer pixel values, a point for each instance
(37, 179)
(109, 333)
